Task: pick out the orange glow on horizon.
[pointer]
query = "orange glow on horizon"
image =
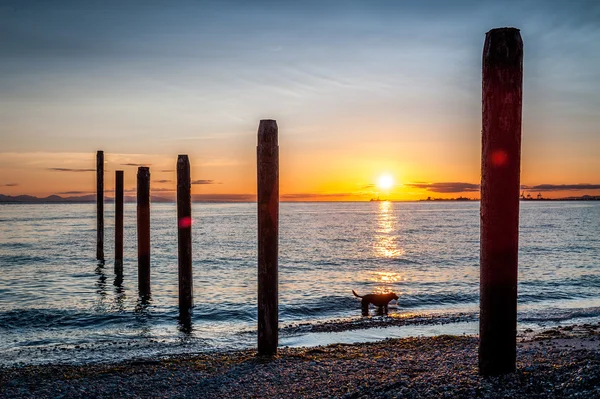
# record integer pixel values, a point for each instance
(333, 174)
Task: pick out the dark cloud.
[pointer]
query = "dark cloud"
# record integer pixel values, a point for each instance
(446, 187)
(71, 170)
(203, 182)
(136, 164)
(11, 184)
(458, 187)
(563, 187)
(162, 181)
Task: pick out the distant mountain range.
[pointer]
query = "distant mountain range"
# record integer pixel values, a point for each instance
(57, 199)
(91, 198)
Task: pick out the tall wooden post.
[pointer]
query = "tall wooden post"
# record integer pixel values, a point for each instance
(143, 230)
(268, 237)
(100, 205)
(184, 230)
(500, 181)
(119, 221)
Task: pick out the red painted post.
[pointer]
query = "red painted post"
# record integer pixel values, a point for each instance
(268, 237)
(143, 230)
(184, 234)
(118, 221)
(502, 93)
(100, 205)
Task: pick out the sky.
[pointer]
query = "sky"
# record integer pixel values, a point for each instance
(359, 89)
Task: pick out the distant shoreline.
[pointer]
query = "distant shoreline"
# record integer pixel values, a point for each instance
(55, 199)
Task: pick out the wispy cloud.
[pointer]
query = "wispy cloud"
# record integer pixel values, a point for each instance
(11, 184)
(562, 187)
(446, 187)
(204, 182)
(168, 170)
(127, 190)
(135, 164)
(167, 190)
(73, 192)
(71, 170)
(162, 181)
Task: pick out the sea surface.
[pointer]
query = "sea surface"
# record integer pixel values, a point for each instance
(58, 304)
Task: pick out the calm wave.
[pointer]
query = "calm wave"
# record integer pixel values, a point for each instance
(58, 304)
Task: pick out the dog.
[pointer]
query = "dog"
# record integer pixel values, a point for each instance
(379, 300)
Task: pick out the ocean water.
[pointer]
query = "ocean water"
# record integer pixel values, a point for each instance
(58, 304)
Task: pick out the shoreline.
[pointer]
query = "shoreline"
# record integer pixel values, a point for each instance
(557, 362)
(81, 351)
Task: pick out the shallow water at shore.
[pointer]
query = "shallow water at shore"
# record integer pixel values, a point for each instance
(558, 362)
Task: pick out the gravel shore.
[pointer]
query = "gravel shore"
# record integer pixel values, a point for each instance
(557, 363)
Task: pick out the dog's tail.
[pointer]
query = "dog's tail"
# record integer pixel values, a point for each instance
(355, 294)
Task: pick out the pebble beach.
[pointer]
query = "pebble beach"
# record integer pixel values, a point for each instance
(562, 362)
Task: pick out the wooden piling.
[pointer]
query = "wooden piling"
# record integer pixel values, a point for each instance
(500, 180)
(143, 230)
(119, 221)
(184, 233)
(100, 205)
(268, 236)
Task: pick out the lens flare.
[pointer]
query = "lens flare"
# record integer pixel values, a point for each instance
(185, 222)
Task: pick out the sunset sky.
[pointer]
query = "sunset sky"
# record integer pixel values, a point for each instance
(359, 89)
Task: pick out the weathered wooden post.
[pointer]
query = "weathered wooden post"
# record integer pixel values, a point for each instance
(118, 221)
(143, 230)
(268, 237)
(100, 205)
(500, 179)
(184, 233)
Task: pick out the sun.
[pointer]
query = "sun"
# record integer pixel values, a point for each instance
(385, 182)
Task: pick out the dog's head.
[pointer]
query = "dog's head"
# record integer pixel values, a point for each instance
(393, 295)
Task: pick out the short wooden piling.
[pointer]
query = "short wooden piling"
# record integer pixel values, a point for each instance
(268, 236)
(119, 221)
(500, 180)
(100, 205)
(184, 234)
(143, 230)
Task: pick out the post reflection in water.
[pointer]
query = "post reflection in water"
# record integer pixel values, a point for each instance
(185, 323)
(120, 296)
(101, 283)
(143, 303)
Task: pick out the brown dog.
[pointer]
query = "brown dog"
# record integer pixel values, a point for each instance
(379, 300)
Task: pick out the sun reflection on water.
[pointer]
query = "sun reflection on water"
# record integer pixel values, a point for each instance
(385, 245)
(385, 281)
(387, 277)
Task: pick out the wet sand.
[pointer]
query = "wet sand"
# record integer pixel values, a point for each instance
(561, 362)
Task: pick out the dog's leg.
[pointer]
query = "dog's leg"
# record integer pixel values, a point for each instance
(379, 310)
(365, 307)
(385, 309)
